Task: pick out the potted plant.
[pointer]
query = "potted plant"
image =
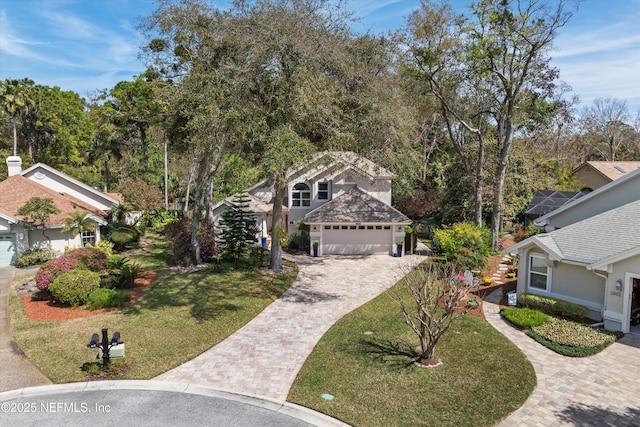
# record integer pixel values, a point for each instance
(315, 245)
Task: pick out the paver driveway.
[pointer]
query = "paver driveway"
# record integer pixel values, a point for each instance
(600, 390)
(264, 357)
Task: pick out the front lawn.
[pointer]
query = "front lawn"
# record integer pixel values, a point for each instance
(365, 362)
(179, 317)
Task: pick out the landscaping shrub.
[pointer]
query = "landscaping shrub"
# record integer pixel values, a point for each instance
(34, 257)
(92, 259)
(103, 245)
(73, 288)
(524, 317)
(106, 298)
(553, 306)
(463, 244)
(124, 236)
(572, 339)
(128, 275)
(52, 269)
(179, 234)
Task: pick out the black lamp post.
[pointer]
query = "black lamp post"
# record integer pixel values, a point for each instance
(105, 345)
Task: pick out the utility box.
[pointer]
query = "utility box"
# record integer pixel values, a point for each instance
(114, 352)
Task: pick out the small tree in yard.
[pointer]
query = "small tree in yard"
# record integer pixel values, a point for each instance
(238, 230)
(440, 298)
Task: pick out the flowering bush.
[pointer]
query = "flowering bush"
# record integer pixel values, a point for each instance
(487, 280)
(464, 244)
(86, 258)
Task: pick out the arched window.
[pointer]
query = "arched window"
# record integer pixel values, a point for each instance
(301, 195)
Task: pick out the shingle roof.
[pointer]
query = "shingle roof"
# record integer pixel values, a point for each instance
(601, 236)
(613, 170)
(355, 206)
(16, 190)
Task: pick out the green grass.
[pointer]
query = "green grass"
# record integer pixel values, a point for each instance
(483, 378)
(179, 317)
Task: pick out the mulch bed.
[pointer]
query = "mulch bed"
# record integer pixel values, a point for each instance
(47, 311)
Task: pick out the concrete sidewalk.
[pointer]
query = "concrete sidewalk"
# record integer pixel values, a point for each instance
(17, 370)
(600, 390)
(264, 357)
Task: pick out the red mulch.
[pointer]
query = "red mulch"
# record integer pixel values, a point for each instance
(46, 310)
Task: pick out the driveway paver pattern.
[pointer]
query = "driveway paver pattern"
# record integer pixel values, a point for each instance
(264, 357)
(600, 390)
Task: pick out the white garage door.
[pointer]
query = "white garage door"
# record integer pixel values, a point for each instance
(356, 240)
(7, 249)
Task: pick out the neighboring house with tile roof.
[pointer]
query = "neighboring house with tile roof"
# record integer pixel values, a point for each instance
(590, 253)
(344, 198)
(68, 195)
(594, 175)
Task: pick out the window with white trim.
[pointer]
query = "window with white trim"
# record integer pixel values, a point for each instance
(301, 195)
(88, 236)
(538, 272)
(323, 190)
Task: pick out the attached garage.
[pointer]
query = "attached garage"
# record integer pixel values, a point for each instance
(8, 250)
(357, 239)
(356, 223)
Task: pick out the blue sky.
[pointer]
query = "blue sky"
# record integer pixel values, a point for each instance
(88, 45)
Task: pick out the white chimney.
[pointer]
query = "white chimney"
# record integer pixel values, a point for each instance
(14, 165)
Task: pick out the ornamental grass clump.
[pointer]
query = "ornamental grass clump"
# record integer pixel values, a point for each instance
(525, 317)
(572, 339)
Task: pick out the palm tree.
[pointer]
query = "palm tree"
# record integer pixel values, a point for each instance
(15, 102)
(76, 222)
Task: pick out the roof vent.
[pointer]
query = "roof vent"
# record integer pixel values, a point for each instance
(619, 169)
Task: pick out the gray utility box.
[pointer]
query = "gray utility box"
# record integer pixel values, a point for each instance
(116, 351)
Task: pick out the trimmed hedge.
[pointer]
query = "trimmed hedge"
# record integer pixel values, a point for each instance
(73, 288)
(553, 306)
(524, 317)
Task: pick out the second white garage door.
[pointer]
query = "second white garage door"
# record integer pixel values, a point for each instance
(356, 240)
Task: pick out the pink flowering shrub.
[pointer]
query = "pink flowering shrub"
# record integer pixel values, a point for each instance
(179, 234)
(52, 269)
(83, 258)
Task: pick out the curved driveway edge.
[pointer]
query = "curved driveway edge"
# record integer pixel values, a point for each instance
(264, 357)
(137, 402)
(599, 390)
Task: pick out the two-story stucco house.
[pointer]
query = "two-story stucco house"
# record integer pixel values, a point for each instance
(344, 198)
(590, 254)
(68, 195)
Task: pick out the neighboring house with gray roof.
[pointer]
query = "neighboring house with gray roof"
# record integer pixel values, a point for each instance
(344, 198)
(590, 254)
(67, 194)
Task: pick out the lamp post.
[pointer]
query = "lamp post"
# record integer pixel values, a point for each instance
(105, 345)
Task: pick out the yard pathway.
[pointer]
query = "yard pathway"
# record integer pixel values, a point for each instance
(600, 390)
(264, 357)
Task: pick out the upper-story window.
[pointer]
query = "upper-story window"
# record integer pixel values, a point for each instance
(301, 195)
(323, 190)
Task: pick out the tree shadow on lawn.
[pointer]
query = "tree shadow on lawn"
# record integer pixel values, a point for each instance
(396, 354)
(208, 295)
